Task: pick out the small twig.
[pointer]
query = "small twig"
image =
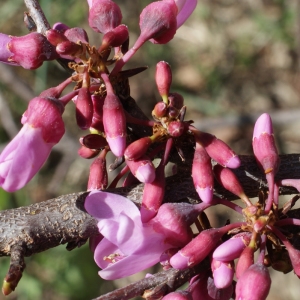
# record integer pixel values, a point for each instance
(167, 281)
(37, 15)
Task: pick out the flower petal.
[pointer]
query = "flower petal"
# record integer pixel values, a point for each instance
(22, 158)
(103, 205)
(144, 258)
(186, 11)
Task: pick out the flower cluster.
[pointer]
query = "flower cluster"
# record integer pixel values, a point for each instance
(132, 239)
(168, 237)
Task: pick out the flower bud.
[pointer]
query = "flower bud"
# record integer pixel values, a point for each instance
(245, 261)
(87, 153)
(29, 51)
(114, 38)
(229, 181)
(173, 112)
(174, 221)
(254, 284)
(61, 27)
(196, 250)
(153, 195)
(97, 120)
(160, 110)
(94, 141)
(138, 148)
(223, 273)
(177, 128)
(143, 169)
(202, 174)
(232, 248)
(114, 122)
(218, 150)
(55, 37)
(98, 178)
(68, 48)
(104, 15)
(163, 78)
(84, 104)
(264, 147)
(265, 152)
(77, 34)
(158, 22)
(175, 100)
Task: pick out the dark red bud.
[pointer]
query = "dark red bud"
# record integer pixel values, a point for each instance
(98, 178)
(69, 48)
(84, 105)
(160, 110)
(87, 153)
(138, 148)
(114, 38)
(55, 37)
(104, 15)
(176, 100)
(76, 35)
(163, 78)
(176, 128)
(94, 141)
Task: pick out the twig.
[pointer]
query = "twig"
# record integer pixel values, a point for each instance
(37, 15)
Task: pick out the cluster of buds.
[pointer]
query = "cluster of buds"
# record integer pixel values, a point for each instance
(230, 250)
(157, 232)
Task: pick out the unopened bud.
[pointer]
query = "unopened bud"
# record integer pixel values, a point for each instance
(114, 38)
(143, 169)
(98, 178)
(160, 110)
(218, 150)
(104, 15)
(138, 148)
(176, 100)
(94, 141)
(223, 273)
(87, 153)
(230, 182)
(84, 105)
(254, 284)
(232, 248)
(158, 22)
(114, 122)
(176, 128)
(163, 78)
(77, 34)
(202, 174)
(153, 195)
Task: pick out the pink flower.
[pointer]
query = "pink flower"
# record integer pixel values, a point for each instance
(128, 246)
(26, 153)
(29, 51)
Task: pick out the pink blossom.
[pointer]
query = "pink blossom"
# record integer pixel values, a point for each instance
(128, 245)
(29, 51)
(26, 153)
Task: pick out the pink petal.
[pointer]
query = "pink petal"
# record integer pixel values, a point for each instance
(99, 205)
(22, 158)
(263, 125)
(186, 11)
(142, 259)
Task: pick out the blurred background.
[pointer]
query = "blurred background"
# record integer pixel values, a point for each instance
(232, 60)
